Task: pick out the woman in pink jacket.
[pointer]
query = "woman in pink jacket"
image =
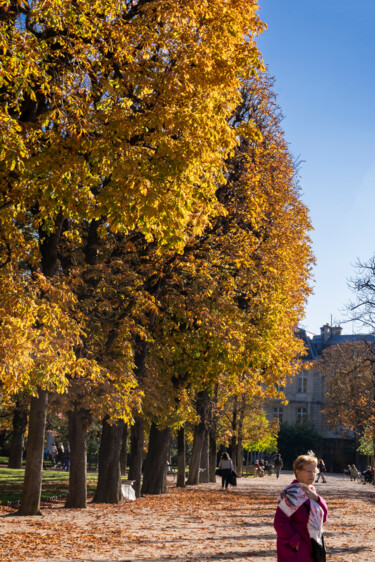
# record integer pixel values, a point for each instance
(300, 515)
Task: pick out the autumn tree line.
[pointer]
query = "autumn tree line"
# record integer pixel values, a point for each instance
(154, 249)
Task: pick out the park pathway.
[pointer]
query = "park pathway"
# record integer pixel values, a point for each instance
(200, 523)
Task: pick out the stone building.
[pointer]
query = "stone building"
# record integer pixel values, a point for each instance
(305, 394)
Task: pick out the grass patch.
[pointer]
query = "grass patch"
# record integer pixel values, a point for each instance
(4, 461)
(54, 484)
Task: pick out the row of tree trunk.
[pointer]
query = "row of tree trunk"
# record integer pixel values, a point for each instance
(148, 473)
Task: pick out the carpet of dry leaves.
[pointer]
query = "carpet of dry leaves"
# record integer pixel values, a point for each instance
(200, 523)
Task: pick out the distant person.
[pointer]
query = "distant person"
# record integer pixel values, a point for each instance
(278, 463)
(321, 470)
(60, 454)
(368, 475)
(300, 515)
(53, 454)
(226, 466)
(258, 469)
(268, 467)
(354, 473)
(66, 459)
(45, 456)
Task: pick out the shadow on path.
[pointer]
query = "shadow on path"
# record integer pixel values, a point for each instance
(348, 550)
(246, 555)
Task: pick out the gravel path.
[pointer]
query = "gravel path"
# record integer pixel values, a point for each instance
(199, 523)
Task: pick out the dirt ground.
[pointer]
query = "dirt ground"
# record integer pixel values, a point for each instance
(200, 523)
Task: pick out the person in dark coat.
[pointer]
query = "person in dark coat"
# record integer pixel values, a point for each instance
(278, 463)
(300, 515)
(226, 466)
(368, 475)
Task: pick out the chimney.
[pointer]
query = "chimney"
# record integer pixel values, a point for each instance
(325, 332)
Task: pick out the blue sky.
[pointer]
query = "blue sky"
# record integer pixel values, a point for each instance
(322, 55)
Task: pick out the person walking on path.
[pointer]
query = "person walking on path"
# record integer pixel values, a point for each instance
(321, 470)
(278, 463)
(300, 515)
(226, 466)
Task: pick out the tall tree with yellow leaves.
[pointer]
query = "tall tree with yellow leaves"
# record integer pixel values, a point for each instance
(231, 300)
(226, 306)
(117, 111)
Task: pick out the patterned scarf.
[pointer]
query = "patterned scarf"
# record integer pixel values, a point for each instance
(291, 499)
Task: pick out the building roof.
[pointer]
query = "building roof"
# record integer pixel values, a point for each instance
(308, 339)
(329, 335)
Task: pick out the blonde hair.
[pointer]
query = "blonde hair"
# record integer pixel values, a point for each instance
(302, 461)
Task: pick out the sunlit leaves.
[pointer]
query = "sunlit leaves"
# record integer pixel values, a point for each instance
(38, 334)
(116, 112)
(136, 93)
(230, 303)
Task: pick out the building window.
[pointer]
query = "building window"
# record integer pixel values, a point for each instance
(302, 383)
(301, 415)
(278, 413)
(280, 387)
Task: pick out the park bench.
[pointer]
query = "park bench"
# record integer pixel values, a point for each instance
(248, 470)
(174, 471)
(253, 471)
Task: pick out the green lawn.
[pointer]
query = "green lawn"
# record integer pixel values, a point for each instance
(54, 483)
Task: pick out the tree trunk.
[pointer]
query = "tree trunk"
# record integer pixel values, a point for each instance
(233, 442)
(212, 430)
(239, 450)
(199, 434)
(155, 469)
(109, 479)
(124, 450)
(212, 454)
(49, 244)
(239, 457)
(195, 461)
(79, 421)
(18, 436)
(32, 485)
(204, 464)
(137, 430)
(136, 454)
(181, 458)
